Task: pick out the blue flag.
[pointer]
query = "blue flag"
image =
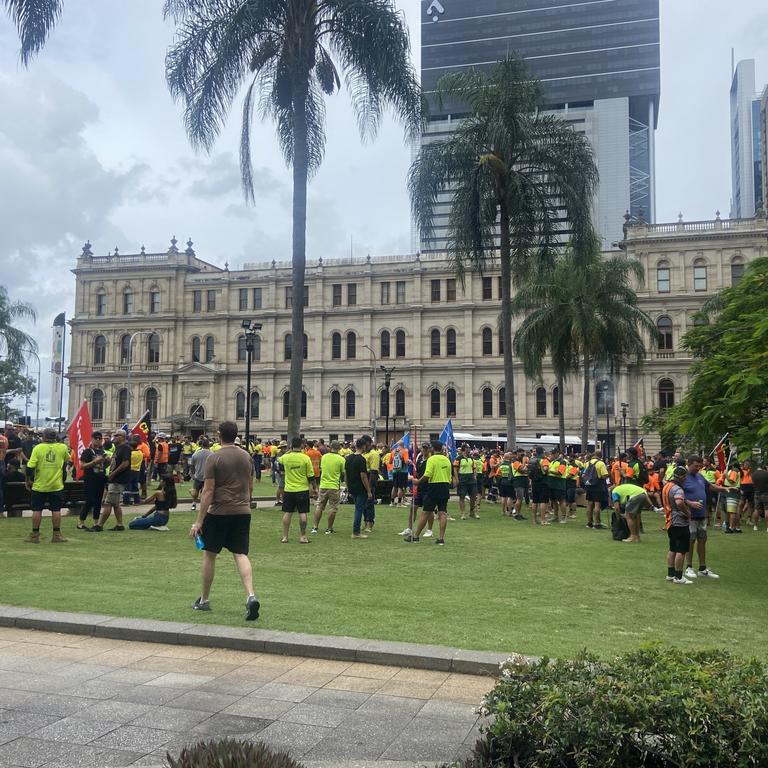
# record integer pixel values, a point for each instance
(406, 441)
(448, 440)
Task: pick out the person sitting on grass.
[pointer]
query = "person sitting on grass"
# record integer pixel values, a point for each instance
(163, 501)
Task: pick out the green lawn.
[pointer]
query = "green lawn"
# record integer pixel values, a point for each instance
(497, 584)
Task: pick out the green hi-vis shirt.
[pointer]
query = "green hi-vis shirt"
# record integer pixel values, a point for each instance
(438, 469)
(465, 465)
(556, 477)
(331, 469)
(48, 460)
(298, 470)
(709, 475)
(624, 492)
(505, 473)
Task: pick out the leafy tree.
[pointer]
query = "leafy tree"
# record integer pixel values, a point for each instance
(729, 387)
(15, 343)
(13, 385)
(510, 173)
(291, 54)
(34, 20)
(584, 309)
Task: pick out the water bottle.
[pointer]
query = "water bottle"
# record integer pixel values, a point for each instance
(199, 543)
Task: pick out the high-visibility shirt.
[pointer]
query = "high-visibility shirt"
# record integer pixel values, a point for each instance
(332, 467)
(136, 458)
(48, 460)
(315, 456)
(161, 452)
(518, 469)
(298, 471)
(438, 469)
(465, 465)
(746, 477)
(710, 475)
(653, 484)
(505, 472)
(732, 479)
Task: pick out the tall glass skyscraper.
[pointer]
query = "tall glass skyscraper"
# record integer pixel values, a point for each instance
(599, 64)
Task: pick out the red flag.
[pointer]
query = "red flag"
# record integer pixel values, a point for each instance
(720, 450)
(640, 445)
(143, 427)
(80, 436)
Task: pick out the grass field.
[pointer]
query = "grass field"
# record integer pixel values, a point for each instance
(497, 584)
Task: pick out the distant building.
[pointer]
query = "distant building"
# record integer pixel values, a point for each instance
(163, 332)
(746, 143)
(599, 63)
(764, 143)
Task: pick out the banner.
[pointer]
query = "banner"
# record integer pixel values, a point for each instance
(448, 440)
(80, 436)
(640, 445)
(719, 452)
(57, 363)
(143, 427)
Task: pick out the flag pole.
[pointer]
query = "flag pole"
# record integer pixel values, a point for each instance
(61, 385)
(720, 442)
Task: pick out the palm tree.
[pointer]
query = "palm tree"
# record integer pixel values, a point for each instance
(291, 54)
(510, 172)
(583, 309)
(34, 19)
(15, 343)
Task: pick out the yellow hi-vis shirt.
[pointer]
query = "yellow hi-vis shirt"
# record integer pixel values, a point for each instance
(48, 460)
(298, 469)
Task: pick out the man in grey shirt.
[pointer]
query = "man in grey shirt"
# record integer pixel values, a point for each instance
(197, 465)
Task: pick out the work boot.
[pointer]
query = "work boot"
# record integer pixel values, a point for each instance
(57, 538)
(33, 538)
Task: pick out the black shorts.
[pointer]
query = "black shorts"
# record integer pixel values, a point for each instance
(198, 484)
(679, 539)
(539, 493)
(38, 500)
(230, 532)
(466, 487)
(595, 493)
(557, 494)
(570, 494)
(399, 479)
(748, 493)
(436, 497)
(506, 491)
(296, 501)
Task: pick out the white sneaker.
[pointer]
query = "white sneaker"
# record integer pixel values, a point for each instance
(659, 510)
(406, 532)
(690, 573)
(670, 578)
(682, 581)
(709, 574)
(427, 533)
(159, 528)
(314, 530)
(194, 507)
(754, 527)
(391, 503)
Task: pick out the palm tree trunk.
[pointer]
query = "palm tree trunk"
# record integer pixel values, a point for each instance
(299, 260)
(585, 406)
(561, 412)
(506, 325)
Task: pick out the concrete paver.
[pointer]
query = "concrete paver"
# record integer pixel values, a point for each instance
(72, 701)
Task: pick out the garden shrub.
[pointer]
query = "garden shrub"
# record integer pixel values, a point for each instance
(229, 753)
(655, 708)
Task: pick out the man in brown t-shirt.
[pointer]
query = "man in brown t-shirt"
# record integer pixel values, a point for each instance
(224, 516)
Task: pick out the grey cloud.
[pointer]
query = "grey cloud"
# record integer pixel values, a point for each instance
(221, 176)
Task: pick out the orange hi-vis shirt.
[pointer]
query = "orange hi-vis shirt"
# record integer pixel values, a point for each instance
(494, 463)
(746, 477)
(161, 452)
(653, 482)
(315, 456)
(616, 469)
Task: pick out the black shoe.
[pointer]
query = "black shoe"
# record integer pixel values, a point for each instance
(729, 530)
(252, 606)
(117, 528)
(200, 605)
(600, 527)
(440, 542)
(590, 525)
(411, 539)
(519, 517)
(96, 529)
(737, 530)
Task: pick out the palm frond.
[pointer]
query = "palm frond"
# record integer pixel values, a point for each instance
(34, 20)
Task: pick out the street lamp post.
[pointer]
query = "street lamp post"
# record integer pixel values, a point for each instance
(387, 382)
(251, 328)
(624, 408)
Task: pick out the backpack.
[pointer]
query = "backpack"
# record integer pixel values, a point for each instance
(397, 460)
(535, 472)
(590, 478)
(619, 527)
(642, 474)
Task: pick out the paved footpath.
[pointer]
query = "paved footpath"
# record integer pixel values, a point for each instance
(72, 700)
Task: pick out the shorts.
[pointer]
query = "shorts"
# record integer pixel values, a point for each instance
(230, 532)
(595, 493)
(697, 529)
(570, 494)
(466, 488)
(114, 493)
(436, 497)
(41, 499)
(539, 493)
(761, 502)
(296, 501)
(679, 539)
(198, 484)
(732, 503)
(748, 493)
(399, 480)
(520, 492)
(506, 491)
(635, 505)
(557, 494)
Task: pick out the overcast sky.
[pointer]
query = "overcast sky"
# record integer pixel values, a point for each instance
(92, 146)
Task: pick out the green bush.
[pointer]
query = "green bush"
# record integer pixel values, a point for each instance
(228, 753)
(655, 708)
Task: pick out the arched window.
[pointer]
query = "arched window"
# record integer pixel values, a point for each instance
(335, 404)
(503, 401)
(450, 342)
(450, 402)
(434, 343)
(400, 402)
(242, 352)
(99, 351)
(541, 401)
(197, 411)
(666, 394)
(604, 396)
(255, 402)
(287, 349)
(153, 348)
(336, 346)
(256, 354)
(434, 403)
(209, 349)
(400, 344)
(384, 344)
(97, 405)
(306, 346)
(150, 403)
(487, 396)
(125, 350)
(383, 403)
(286, 397)
(350, 404)
(663, 277)
(122, 404)
(240, 405)
(196, 349)
(664, 328)
(699, 275)
(737, 270)
(351, 345)
(487, 341)
(556, 401)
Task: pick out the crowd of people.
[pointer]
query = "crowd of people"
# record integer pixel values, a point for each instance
(313, 478)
